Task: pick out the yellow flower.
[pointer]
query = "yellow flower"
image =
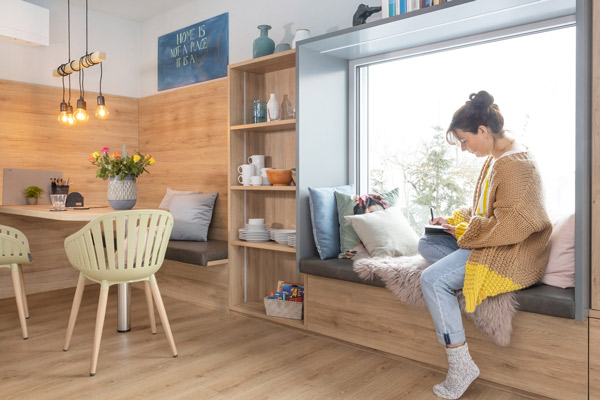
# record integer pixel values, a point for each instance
(151, 161)
(136, 158)
(96, 155)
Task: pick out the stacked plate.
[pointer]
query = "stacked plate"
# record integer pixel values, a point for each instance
(255, 233)
(281, 235)
(292, 240)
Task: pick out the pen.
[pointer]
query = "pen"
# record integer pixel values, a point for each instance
(431, 209)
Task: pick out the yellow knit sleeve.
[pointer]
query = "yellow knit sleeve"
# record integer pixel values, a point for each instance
(459, 216)
(460, 229)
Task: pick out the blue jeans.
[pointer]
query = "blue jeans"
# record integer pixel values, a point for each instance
(439, 282)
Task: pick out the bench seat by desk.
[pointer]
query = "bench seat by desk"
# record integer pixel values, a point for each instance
(540, 299)
(197, 253)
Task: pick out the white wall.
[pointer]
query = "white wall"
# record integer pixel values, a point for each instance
(285, 16)
(131, 47)
(119, 38)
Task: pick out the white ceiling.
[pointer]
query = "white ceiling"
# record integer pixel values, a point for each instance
(133, 10)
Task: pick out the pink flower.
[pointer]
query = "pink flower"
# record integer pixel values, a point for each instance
(105, 150)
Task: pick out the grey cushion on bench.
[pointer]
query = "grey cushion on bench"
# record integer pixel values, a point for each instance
(539, 299)
(197, 253)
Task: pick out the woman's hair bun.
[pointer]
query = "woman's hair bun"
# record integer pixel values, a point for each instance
(481, 100)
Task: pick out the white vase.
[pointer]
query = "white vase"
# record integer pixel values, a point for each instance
(272, 108)
(122, 194)
(301, 34)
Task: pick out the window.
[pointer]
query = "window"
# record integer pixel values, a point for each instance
(407, 103)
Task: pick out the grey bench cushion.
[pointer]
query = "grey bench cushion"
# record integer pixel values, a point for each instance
(539, 299)
(197, 253)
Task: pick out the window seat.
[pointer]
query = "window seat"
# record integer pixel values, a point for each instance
(197, 253)
(539, 299)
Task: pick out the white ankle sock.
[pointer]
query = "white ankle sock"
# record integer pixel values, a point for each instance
(462, 371)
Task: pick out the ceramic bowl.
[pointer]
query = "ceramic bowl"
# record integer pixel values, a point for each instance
(279, 177)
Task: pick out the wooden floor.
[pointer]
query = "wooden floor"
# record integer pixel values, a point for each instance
(221, 356)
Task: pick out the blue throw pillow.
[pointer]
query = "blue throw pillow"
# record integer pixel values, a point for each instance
(324, 217)
(191, 216)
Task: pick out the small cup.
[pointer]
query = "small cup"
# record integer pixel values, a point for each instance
(247, 169)
(244, 180)
(263, 171)
(256, 221)
(257, 159)
(58, 201)
(256, 180)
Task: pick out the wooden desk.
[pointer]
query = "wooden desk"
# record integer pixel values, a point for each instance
(50, 269)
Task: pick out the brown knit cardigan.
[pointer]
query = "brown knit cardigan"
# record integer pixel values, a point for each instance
(510, 244)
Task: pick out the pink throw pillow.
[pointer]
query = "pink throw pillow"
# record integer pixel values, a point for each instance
(560, 271)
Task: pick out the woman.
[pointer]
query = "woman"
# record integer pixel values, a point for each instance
(498, 245)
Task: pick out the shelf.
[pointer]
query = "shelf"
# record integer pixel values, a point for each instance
(265, 188)
(270, 245)
(286, 124)
(270, 63)
(257, 309)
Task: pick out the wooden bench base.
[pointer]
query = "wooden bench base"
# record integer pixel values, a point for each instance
(547, 355)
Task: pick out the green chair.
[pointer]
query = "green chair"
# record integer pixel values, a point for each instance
(141, 238)
(14, 250)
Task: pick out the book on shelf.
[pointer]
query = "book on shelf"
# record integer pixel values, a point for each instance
(413, 5)
(385, 9)
(401, 7)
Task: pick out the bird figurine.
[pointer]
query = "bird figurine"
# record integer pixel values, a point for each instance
(362, 13)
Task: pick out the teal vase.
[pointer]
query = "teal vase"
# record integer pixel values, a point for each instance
(263, 45)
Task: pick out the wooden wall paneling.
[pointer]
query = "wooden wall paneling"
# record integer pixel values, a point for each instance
(32, 138)
(203, 286)
(594, 370)
(50, 269)
(186, 132)
(236, 97)
(595, 273)
(547, 356)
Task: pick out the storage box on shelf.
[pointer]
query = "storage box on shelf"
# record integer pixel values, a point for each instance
(256, 267)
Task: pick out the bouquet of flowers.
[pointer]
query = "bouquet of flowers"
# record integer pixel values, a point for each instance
(120, 163)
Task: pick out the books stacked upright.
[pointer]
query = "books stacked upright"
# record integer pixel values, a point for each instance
(391, 8)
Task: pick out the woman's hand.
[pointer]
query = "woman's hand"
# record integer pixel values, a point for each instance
(450, 229)
(438, 221)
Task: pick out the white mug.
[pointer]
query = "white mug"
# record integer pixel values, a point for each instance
(247, 169)
(266, 181)
(257, 159)
(263, 172)
(256, 221)
(244, 180)
(256, 180)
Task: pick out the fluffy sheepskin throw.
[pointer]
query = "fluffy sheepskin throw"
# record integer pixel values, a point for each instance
(402, 276)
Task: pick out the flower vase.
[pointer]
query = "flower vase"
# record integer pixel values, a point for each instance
(122, 194)
(272, 108)
(286, 108)
(263, 45)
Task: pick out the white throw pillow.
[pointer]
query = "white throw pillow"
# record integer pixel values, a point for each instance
(385, 233)
(560, 271)
(166, 201)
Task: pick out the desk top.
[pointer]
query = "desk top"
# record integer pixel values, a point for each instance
(43, 211)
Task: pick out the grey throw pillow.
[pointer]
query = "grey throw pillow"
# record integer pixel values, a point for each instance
(192, 214)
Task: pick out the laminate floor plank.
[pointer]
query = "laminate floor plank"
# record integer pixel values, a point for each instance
(221, 356)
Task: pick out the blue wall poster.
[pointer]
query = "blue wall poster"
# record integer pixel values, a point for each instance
(197, 53)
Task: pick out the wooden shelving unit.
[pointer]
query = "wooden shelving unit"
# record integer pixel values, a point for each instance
(266, 126)
(266, 188)
(256, 267)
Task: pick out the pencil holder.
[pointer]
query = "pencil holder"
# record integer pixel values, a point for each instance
(59, 189)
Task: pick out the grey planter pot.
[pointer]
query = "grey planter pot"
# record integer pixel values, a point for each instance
(122, 194)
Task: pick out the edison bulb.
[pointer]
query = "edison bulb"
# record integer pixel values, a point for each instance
(62, 117)
(70, 118)
(81, 114)
(101, 111)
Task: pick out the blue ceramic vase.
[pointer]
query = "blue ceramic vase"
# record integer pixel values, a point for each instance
(263, 45)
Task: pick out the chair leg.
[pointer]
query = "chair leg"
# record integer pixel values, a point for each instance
(150, 307)
(24, 292)
(74, 310)
(99, 326)
(163, 314)
(14, 270)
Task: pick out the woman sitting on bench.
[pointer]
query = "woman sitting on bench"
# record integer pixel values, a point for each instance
(498, 245)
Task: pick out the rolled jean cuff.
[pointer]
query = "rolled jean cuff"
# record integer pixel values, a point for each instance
(451, 338)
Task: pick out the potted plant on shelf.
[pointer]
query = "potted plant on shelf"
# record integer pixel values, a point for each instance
(121, 170)
(33, 193)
